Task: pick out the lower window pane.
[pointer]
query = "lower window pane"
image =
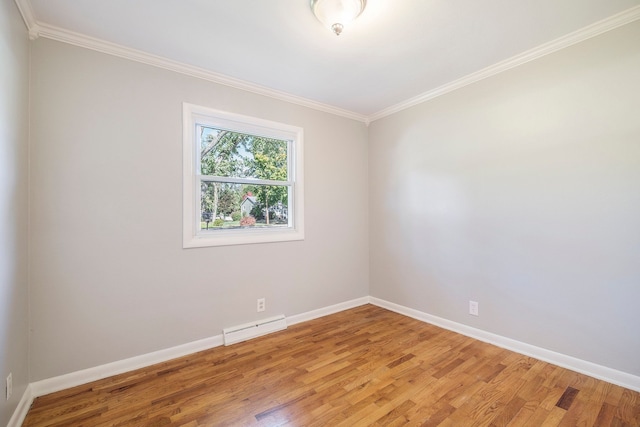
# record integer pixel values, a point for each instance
(238, 206)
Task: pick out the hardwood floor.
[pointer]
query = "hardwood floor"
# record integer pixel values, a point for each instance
(361, 367)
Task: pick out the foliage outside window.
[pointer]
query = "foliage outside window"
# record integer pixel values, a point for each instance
(242, 179)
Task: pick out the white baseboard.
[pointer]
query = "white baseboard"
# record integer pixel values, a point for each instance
(20, 413)
(62, 382)
(314, 314)
(584, 367)
(51, 385)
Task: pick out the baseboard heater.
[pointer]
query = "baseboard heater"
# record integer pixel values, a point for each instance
(255, 329)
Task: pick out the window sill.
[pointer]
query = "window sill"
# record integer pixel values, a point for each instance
(242, 237)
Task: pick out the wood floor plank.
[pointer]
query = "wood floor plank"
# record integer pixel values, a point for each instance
(361, 367)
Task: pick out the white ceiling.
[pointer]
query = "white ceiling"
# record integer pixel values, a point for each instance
(396, 50)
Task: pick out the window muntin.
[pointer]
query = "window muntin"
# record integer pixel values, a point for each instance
(243, 179)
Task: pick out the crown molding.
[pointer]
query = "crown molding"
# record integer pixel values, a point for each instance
(38, 29)
(81, 40)
(570, 39)
(24, 6)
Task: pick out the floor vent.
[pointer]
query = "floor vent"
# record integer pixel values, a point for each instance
(252, 330)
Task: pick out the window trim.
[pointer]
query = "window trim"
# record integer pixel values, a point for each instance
(192, 237)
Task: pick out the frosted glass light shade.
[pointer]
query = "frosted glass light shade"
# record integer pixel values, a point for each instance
(335, 14)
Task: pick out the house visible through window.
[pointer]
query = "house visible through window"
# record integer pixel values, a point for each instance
(243, 179)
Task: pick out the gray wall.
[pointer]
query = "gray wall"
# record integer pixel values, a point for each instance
(109, 277)
(14, 134)
(521, 192)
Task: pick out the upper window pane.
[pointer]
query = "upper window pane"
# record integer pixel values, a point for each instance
(238, 155)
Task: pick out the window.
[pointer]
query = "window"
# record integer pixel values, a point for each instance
(242, 179)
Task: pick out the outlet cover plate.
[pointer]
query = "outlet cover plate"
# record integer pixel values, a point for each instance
(9, 388)
(473, 308)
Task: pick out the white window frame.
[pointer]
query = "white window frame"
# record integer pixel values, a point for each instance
(194, 116)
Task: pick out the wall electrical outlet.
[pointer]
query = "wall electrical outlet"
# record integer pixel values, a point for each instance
(262, 304)
(9, 386)
(473, 308)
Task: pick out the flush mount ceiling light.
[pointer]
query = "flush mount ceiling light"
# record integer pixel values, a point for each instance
(335, 14)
